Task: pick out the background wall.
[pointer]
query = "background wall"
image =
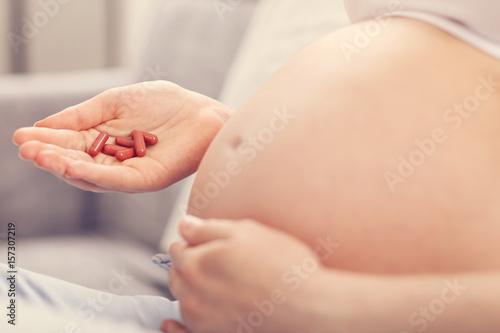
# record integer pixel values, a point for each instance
(73, 34)
(134, 24)
(4, 44)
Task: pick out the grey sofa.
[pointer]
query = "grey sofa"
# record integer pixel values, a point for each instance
(83, 237)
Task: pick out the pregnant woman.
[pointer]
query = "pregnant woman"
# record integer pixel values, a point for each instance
(357, 191)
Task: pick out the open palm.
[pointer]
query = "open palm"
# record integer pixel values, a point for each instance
(185, 123)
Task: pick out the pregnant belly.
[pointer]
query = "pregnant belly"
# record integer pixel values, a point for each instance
(369, 154)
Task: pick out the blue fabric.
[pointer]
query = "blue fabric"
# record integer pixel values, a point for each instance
(46, 304)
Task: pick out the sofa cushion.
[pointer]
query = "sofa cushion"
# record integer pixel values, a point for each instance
(193, 46)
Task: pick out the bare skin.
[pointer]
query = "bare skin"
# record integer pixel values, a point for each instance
(228, 274)
(184, 121)
(324, 171)
(323, 174)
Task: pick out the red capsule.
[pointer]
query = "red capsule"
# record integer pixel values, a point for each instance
(125, 154)
(98, 144)
(150, 138)
(125, 142)
(140, 144)
(111, 150)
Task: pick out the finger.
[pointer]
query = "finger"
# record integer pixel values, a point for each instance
(57, 164)
(63, 138)
(57, 161)
(82, 116)
(177, 252)
(175, 282)
(72, 164)
(196, 231)
(86, 186)
(182, 255)
(171, 326)
(119, 177)
(31, 150)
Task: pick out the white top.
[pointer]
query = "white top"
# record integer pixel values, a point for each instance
(477, 22)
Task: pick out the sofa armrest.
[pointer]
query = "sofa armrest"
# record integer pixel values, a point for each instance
(34, 199)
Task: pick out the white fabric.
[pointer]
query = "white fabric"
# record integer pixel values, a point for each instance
(171, 231)
(476, 22)
(278, 30)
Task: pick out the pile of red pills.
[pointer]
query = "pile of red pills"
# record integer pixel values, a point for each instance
(124, 148)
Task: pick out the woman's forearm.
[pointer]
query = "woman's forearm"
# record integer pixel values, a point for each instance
(354, 303)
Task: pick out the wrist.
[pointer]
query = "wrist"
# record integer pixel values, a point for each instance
(351, 302)
(324, 302)
(212, 107)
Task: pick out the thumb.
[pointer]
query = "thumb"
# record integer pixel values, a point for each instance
(196, 231)
(170, 326)
(80, 117)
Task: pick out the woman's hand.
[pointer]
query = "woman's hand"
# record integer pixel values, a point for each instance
(184, 121)
(244, 277)
(232, 276)
(171, 326)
